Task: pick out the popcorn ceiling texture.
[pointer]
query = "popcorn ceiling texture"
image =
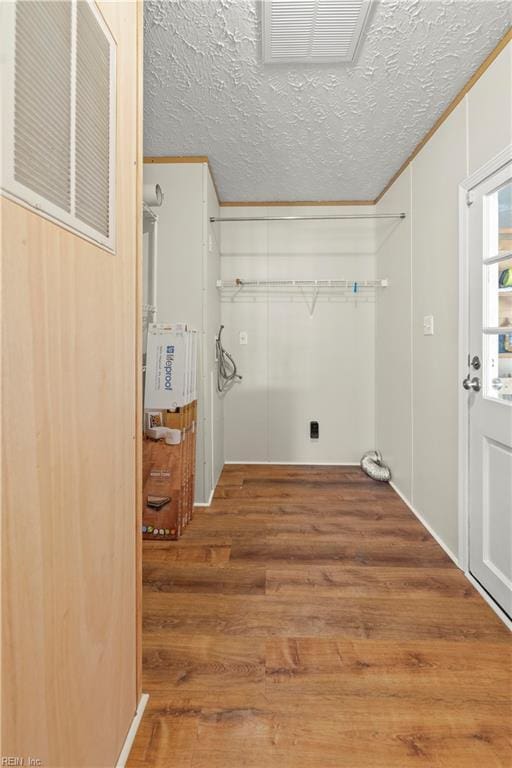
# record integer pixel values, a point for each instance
(299, 132)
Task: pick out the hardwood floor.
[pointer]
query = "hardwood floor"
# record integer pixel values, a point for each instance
(307, 620)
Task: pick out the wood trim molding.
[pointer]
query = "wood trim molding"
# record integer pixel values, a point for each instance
(186, 159)
(138, 366)
(241, 203)
(484, 66)
(287, 203)
(178, 159)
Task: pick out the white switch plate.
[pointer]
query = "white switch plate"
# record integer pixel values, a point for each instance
(243, 337)
(428, 325)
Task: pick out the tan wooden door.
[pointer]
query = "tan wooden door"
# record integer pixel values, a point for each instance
(69, 402)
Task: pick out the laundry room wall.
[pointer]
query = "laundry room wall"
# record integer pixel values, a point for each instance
(417, 382)
(212, 322)
(299, 365)
(188, 269)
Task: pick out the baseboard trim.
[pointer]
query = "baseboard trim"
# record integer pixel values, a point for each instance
(481, 591)
(130, 738)
(298, 463)
(490, 602)
(424, 523)
(208, 503)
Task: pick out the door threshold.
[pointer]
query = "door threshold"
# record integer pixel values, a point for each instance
(489, 600)
(130, 738)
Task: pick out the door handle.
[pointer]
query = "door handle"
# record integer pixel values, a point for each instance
(473, 383)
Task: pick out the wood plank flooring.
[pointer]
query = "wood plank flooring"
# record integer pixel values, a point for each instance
(307, 620)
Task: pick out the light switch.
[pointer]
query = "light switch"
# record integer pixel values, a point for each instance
(243, 337)
(428, 325)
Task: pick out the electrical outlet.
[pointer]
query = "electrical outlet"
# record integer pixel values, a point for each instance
(428, 325)
(314, 430)
(243, 337)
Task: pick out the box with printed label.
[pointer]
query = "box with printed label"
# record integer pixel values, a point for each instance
(168, 364)
(162, 490)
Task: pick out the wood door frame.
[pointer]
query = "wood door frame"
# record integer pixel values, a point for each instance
(465, 189)
(138, 360)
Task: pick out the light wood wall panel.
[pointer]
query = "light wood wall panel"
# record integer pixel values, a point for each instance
(69, 317)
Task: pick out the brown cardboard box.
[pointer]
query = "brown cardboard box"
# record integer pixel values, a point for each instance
(191, 461)
(162, 465)
(169, 477)
(184, 419)
(189, 489)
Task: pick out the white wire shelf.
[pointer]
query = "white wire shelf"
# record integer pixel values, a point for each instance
(310, 290)
(353, 285)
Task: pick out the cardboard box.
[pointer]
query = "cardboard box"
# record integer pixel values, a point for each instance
(170, 366)
(169, 476)
(162, 491)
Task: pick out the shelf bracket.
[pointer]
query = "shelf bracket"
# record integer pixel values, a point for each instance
(310, 305)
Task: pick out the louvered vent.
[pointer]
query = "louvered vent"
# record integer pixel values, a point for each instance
(42, 107)
(92, 121)
(59, 85)
(313, 31)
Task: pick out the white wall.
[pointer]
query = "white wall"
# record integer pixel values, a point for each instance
(366, 372)
(212, 323)
(180, 240)
(436, 174)
(419, 436)
(298, 368)
(187, 273)
(393, 361)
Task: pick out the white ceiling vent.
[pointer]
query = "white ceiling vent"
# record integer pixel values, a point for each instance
(313, 31)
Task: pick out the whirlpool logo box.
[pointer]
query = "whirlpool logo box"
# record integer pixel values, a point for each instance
(169, 361)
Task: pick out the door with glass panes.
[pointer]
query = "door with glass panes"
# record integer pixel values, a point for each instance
(489, 386)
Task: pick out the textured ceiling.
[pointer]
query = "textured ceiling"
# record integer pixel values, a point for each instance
(290, 132)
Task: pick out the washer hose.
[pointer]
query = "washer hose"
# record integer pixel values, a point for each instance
(226, 367)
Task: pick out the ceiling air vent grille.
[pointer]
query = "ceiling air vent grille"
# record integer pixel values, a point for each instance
(313, 31)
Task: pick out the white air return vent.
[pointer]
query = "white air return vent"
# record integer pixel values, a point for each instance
(58, 101)
(43, 98)
(92, 122)
(313, 31)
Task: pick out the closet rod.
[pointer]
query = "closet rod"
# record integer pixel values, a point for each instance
(312, 218)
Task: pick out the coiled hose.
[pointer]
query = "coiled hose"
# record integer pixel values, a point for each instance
(372, 464)
(226, 367)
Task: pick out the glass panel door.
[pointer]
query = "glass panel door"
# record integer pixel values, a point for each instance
(497, 284)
